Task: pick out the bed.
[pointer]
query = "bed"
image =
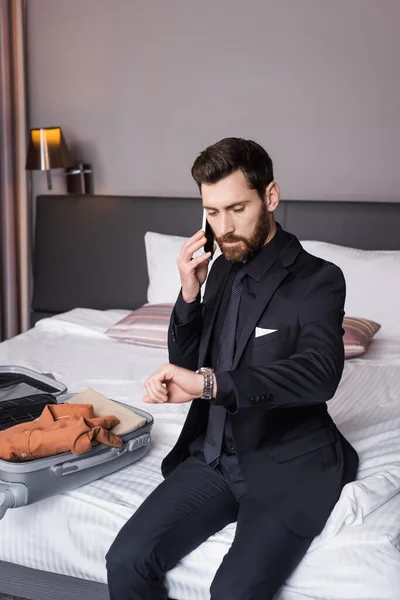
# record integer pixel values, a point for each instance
(90, 271)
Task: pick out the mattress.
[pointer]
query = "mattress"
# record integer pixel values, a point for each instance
(357, 555)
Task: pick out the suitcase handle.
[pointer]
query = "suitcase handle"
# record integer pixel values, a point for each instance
(73, 466)
(11, 496)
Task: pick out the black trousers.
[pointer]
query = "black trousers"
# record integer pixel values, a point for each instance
(192, 504)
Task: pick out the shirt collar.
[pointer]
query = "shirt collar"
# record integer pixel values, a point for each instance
(260, 262)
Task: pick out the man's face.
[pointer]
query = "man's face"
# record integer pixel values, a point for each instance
(237, 215)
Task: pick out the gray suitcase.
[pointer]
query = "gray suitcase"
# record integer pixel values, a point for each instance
(25, 483)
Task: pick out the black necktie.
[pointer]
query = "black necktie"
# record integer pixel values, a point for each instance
(217, 415)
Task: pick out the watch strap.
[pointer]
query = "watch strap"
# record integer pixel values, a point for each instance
(208, 382)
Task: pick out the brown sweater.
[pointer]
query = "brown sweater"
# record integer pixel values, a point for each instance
(60, 428)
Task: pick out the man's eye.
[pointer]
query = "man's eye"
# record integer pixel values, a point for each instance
(210, 214)
(238, 210)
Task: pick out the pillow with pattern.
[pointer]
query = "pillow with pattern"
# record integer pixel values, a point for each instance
(358, 334)
(148, 326)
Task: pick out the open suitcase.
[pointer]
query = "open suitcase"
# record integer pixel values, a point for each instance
(28, 482)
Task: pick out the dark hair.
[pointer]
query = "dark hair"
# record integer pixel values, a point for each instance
(230, 155)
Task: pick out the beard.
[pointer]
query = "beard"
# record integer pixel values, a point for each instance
(248, 246)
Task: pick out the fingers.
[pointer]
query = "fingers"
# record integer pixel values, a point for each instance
(146, 398)
(191, 245)
(161, 387)
(155, 390)
(195, 262)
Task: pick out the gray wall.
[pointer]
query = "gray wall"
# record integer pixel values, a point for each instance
(141, 86)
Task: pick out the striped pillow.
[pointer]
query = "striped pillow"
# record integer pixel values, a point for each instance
(358, 334)
(146, 326)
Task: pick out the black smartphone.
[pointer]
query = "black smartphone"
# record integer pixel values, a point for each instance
(209, 245)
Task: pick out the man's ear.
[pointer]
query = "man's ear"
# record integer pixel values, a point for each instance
(272, 196)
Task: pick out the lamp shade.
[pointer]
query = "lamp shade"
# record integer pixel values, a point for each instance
(47, 149)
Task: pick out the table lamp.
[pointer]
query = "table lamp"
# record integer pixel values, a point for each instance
(47, 150)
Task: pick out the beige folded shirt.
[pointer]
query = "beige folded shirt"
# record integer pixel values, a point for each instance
(103, 407)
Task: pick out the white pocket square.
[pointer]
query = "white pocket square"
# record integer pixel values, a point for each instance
(261, 331)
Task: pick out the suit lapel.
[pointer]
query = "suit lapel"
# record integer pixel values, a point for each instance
(269, 281)
(255, 305)
(211, 310)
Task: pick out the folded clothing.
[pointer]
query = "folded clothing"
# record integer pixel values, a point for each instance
(128, 420)
(60, 428)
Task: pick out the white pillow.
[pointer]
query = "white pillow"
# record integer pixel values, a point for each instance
(161, 253)
(372, 280)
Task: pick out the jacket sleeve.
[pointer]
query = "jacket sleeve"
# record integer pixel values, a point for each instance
(310, 375)
(186, 324)
(184, 333)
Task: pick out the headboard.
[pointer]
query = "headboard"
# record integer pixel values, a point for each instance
(89, 250)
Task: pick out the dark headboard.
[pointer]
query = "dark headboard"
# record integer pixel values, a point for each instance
(89, 250)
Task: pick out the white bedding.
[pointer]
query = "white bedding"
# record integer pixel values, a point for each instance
(356, 557)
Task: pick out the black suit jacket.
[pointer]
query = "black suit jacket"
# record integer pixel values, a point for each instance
(292, 456)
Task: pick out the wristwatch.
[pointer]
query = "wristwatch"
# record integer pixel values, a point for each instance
(208, 385)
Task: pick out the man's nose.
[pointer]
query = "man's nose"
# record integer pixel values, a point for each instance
(225, 226)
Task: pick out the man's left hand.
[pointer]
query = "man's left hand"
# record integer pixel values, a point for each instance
(173, 384)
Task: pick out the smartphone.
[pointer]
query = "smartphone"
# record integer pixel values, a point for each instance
(209, 245)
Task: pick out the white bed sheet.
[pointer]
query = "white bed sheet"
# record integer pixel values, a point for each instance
(356, 557)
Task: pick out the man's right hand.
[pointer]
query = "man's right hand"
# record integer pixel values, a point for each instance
(193, 271)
